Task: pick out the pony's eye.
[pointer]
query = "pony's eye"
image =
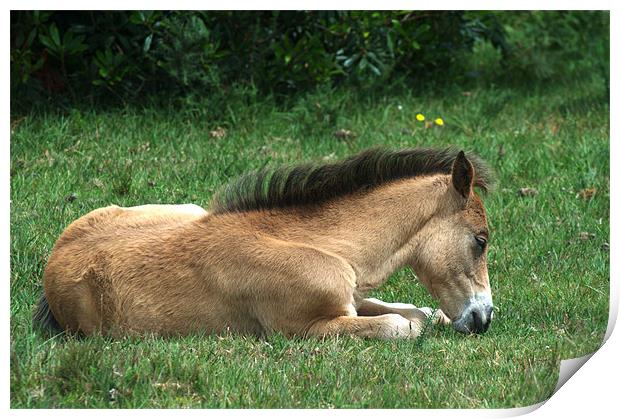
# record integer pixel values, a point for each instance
(482, 241)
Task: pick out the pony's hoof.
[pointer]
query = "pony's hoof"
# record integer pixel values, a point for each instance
(437, 315)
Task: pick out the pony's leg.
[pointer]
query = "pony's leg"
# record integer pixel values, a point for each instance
(375, 307)
(386, 326)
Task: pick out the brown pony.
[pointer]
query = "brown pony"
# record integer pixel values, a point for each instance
(295, 251)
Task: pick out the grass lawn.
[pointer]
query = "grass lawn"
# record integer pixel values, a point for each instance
(548, 254)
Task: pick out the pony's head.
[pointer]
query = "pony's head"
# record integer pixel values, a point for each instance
(451, 254)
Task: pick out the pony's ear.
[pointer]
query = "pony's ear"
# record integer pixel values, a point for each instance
(462, 175)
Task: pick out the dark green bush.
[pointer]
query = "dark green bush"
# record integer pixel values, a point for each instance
(132, 53)
(554, 45)
(129, 55)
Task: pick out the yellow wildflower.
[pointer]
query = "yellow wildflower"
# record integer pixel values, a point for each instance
(439, 121)
(419, 117)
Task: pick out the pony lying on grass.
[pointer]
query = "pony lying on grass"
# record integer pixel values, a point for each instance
(293, 250)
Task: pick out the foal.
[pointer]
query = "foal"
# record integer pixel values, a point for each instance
(294, 251)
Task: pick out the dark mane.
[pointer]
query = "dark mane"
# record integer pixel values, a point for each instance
(311, 184)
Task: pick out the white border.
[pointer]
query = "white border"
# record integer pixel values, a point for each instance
(310, 5)
(593, 390)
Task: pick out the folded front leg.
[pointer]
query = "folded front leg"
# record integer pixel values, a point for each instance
(386, 326)
(375, 307)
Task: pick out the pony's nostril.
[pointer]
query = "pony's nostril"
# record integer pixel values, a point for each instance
(478, 326)
(486, 324)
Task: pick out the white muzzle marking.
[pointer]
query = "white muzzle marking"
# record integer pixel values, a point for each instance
(482, 305)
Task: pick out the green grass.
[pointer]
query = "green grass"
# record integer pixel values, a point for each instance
(550, 287)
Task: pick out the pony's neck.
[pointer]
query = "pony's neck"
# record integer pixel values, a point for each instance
(374, 231)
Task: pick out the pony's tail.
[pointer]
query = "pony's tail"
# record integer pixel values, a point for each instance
(43, 319)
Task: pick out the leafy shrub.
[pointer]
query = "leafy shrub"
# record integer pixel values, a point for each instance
(127, 55)
(556, 44)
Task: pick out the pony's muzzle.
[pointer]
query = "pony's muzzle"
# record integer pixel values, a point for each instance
(476, 317)
(481, 320)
